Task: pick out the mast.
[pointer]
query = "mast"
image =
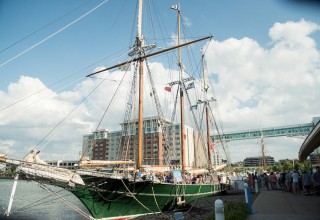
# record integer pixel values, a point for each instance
(264, 162)
(206, 103)
(182, 135)
(139, 47)
(206, 87)
(138, 52)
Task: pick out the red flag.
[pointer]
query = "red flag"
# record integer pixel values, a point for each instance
(212, 146)
(167, 88)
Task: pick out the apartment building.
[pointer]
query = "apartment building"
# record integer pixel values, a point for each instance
(161, 144)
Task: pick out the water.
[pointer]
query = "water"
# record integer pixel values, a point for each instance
(25, 205)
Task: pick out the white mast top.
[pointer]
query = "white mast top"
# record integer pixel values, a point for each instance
(139, 22)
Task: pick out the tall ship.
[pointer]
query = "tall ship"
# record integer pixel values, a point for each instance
(126, 188)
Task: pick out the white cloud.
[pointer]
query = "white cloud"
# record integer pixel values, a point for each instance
(276, 86)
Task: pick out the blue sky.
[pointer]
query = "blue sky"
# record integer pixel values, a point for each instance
(89, 39)
(237, 26)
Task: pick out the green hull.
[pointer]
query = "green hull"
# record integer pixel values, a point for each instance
(112, 198)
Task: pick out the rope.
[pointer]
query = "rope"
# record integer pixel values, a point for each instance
(52, 35)
(136, 198)
(38, 100)
(3, 210)
(155, 200)
(43, 27)
(219, 135)
(35, 203)
(75, 208)
(195, 202)
(154, 196)
(68, 115)
(104, 111)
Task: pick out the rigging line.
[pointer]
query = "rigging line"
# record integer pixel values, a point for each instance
(57, 82)
(77, 209)
(190, 55)
(43, 27)
(39, 200)
(104, 111)
(189, 102)
(154, 92)
(30, 104)
(195, 119)
(152, 22)
(127, 117)
(155, 200)
(52, 35)
(128, 113)
(26, 97)
(135, 198)
(195, 202)
(69, 114)
(222, 128)
(201, 136)
(175, 104)
(219, 135)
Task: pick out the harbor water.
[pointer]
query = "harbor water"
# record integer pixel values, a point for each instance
(33, 202)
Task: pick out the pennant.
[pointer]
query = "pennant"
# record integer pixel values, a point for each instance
(175, 7)
(190, 86)
(167, 88)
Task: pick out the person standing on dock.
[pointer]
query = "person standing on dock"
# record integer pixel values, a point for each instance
(306, 182)
(295, 183)
(316, 179)
(250, 179)
(266, 180)
(273, 181)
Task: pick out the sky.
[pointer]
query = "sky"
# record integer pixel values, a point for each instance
(263, 67)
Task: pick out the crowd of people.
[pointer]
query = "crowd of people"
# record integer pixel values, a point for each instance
(176, 177)
(290, 181)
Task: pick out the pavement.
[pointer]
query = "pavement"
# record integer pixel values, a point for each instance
(281, 205)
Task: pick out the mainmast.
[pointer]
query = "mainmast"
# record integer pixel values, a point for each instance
(138, 47)
(182, 135)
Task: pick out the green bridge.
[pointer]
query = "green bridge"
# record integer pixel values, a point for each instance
(290, 130)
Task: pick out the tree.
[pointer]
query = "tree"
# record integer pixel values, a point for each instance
(286, 164)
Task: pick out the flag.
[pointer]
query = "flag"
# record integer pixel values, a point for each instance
(175, 7)
(195, 107)
(212, 145)
(167, 88)
(190, 86)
